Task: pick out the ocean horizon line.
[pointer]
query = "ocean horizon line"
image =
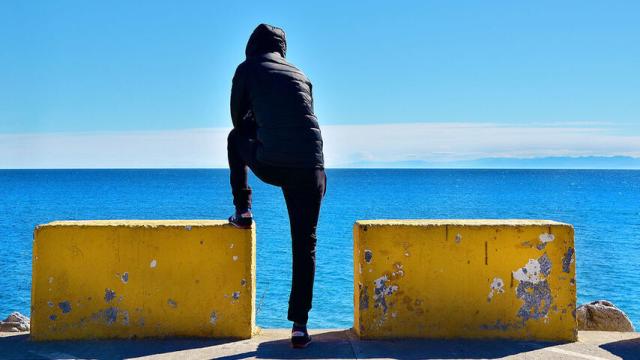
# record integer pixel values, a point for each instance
(329, 168)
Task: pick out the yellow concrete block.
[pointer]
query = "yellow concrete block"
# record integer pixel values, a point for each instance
(124, 279)
(510, 279)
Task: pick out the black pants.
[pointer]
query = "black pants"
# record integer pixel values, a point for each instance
(303, 191)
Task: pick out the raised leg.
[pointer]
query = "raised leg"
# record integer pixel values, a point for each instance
(239, 153)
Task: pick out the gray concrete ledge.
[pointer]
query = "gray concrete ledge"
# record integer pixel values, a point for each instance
(327, 344)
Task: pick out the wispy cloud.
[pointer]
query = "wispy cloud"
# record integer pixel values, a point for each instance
(447, 142)
(345, 145)
(135, 149)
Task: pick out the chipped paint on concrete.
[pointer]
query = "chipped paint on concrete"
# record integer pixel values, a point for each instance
(533, 288)
(529, 273)
(501, 326)
(498, 325)
(110, 315)
(172, 303)
(125, 317)
(443, 288)
(406, 246)
(364, 297)
(368, 255)
(116, 288)
(567, 260)
(537, 300)
(65, 306)
(236, 295)
(496, 287)
(107, 316)
(188, 227)
(109, 295)
(381, 290)
(458, 238)
(398, 272)
(53, 317)
(526, 244)
(235, 257)
(213, 318)
(545, 264)
(544, 239)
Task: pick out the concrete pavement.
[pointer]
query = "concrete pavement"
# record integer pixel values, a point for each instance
(327, 344)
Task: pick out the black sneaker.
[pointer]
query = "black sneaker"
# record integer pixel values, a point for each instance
(242, 220)
(300, 337)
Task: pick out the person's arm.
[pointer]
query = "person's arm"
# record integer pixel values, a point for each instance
(239, 98)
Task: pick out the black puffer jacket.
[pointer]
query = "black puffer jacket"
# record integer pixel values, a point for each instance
(278, 97)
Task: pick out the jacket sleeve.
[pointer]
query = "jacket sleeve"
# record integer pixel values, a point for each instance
(239, 98)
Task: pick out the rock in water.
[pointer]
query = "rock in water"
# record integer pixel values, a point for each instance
(15, 322)
(602, 315)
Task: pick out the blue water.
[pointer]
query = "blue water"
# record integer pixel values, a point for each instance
(604, 207)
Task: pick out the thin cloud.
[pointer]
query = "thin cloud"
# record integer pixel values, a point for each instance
(447, 142)
(345, 145)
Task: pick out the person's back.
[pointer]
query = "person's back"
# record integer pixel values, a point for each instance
(280, 98)
(276, 134)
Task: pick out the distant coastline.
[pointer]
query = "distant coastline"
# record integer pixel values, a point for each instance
(546, 163)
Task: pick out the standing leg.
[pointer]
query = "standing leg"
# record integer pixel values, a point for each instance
(303, 204)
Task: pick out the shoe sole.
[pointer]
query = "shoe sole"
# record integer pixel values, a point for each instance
(240, 226)
(300, 346)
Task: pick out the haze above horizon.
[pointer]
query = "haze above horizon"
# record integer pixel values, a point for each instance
(123, 84)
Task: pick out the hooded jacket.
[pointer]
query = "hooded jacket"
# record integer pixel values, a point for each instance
(275, 97)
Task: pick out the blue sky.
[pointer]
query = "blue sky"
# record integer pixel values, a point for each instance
(75, 73)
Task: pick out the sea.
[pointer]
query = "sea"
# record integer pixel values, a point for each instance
(602, 205)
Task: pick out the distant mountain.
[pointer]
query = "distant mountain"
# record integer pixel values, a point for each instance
(553, 162)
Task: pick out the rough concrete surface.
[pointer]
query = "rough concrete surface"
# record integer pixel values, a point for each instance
(480, 279)
(105, 279)
(327, 344)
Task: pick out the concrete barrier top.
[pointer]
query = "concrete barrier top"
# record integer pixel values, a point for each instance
(460, 222)
(149, 223)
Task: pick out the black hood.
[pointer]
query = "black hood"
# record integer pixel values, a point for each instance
(265, 39)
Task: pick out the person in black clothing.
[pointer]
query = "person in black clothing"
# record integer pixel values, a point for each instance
(276, 134)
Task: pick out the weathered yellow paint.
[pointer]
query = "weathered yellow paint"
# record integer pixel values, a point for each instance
(464, 279)
(124, 279)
